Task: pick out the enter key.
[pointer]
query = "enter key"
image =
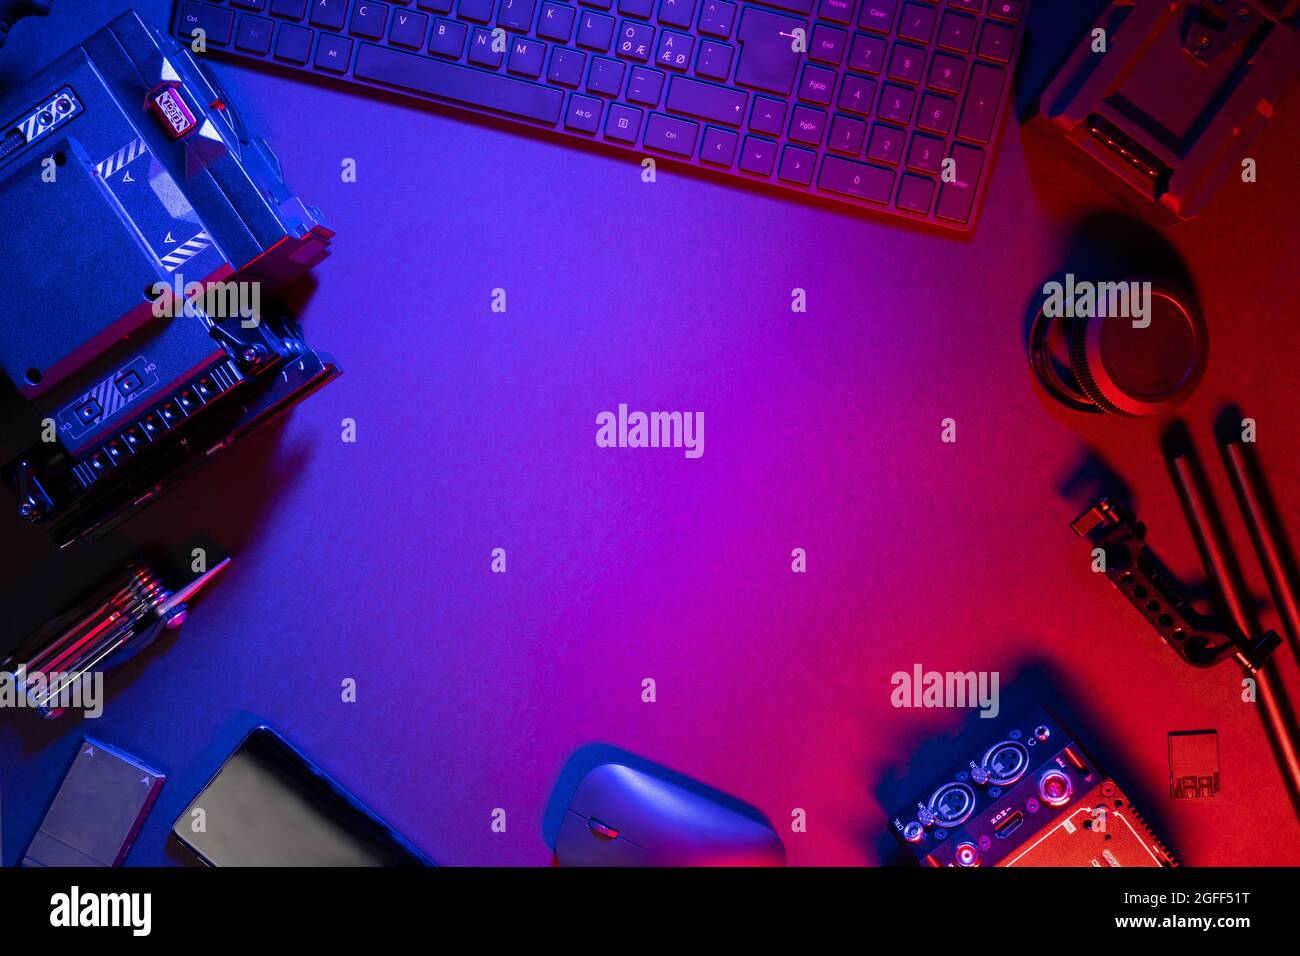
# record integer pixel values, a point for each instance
(768, 60)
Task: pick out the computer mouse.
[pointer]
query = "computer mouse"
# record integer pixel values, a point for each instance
(623, 817)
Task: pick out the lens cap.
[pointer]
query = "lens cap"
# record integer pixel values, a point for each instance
(1140, 363)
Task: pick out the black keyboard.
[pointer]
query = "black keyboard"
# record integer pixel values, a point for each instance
(891, 105)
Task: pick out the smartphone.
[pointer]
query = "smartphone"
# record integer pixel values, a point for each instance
(269, 805)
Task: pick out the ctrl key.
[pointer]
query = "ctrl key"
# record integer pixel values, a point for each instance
(858, 180)
(671, 135)
(216, 24)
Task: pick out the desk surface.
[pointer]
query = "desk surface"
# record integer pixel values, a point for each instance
(475, 431)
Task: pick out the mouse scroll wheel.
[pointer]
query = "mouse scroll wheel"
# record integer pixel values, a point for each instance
(602, 829)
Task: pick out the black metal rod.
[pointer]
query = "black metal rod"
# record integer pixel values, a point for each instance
(1212, 543)
(1221, 567)
(1266, 534)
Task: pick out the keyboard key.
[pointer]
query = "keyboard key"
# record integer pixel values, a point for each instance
(674, 50)
(807, 125)
(882, 93)
(460, 84)
(368, 20)
(671, 135)
(907, 63)
(583, 113)
(926, 154)
(714, 60)
(705, 100)
(877, 15)
(719, 146)
(215, 23)
(482, 51)
(794, 6)
(556, 22)
(946, 73)
(767, 60)
(797, 165)
(867, 54)
(408, 29)
(517, 15)
(917, 22)
(1011, 10)
(645, 86)
(847, 135)
(566, 67)
(857, 94)
(837, 11)
(294, 9)
(676, 13)
(957, 197)
(293, 43)
(997, 42)
(717, 18)
(623, 123)
(817, 85)
(635, 40)
(936, 113)
(595, 31)
(886, 144)
(957, 32)
(254, 34)
(827, 44)
(849, 178)
(329, 14)
(480, 11)
(605, 76)
(768, 116)
(333, 53)
(914, 193)
(526, 57)
(448, 38)
(896, 104)
(981, 103)
(758, 156)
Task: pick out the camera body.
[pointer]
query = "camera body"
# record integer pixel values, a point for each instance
(146, 235)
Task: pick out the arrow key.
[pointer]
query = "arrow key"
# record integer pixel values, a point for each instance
(758, 155)
(797, 165)
(719, 146)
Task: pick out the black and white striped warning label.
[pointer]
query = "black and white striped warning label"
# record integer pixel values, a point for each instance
(122, 157)
(186, 251)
